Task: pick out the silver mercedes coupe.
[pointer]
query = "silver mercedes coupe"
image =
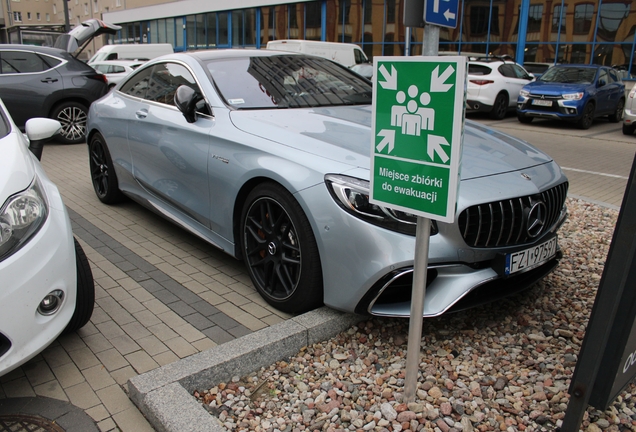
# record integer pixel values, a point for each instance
(266, 155)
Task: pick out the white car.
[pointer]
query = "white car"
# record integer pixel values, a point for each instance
(629, 115)
(494, 84)
(116, 70)
(46, 283)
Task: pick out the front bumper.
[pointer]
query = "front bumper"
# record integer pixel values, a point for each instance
(45, 263)
(365, 268)
(569, 110)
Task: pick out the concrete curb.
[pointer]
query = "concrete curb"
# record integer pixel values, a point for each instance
(164, 395)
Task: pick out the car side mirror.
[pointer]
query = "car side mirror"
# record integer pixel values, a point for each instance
(39, 130)
(186, 98)
(601, 83)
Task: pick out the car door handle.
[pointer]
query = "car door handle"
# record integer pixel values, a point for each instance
(142, 113)
(49, 80)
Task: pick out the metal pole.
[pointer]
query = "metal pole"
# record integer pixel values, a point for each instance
(420, 265)
(67, 24)
(407, 42)
(422, 237)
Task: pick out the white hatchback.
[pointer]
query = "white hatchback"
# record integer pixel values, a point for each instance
(494, 84)
(46, 283)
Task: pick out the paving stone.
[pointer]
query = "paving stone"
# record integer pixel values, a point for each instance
(163, 332)
(107, 425)
(71, 342)
(181, 308)
(180, 347)
(218, 335)
(114, 399)
(199, 321)
(135, 330)
(141, 361)
(166, 358)
(124, 344)
(112, 359)
(132, 420)
(51, 389)
(121, 376)
(152, 345)
(68, 375)
(84, 358)
(82, 395)
(38, 372)
(99, 413)
(147, 318)
(97, 343)
(98, 377)
(19, 387)
(110, 329)
(224, 321)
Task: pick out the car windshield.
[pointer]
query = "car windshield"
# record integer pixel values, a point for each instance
(570, 75)
(287, 81)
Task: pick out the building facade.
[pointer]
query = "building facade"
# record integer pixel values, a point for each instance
(561, 31)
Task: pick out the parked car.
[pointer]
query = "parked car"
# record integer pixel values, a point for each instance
(493, 85)
(47, 284)
(629, 115)
(576, 93)
(116, 70)
(50, 82)
(266, 155)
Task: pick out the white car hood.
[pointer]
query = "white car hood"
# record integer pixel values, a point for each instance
(16, 165)
(343, 134)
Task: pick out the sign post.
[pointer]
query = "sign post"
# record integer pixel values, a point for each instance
(417, 126)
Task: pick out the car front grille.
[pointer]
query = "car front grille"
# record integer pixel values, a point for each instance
(5, 344)
(505, 223)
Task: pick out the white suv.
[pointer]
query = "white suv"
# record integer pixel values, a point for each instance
(494, 84)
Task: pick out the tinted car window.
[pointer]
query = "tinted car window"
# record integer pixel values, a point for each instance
(22, 62)
(613, 76)
(602, 76)
(506, 70)
(164, 81)
(519, 72)
(287, 82)
(4, 125)
(138, 84)
(475, 69)
(581, 75)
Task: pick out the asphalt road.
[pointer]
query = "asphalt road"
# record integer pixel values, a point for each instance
(597, 161)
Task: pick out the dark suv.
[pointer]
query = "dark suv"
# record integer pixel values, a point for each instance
(51, 82)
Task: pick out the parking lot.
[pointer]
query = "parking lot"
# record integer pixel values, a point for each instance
(162, 294)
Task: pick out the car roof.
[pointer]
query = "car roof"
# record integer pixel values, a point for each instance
(235, 53)
(122, 62)
(36, 48)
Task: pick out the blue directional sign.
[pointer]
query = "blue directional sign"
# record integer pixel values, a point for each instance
(441, 12)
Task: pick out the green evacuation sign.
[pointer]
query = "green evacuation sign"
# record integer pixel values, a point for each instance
(418, 119)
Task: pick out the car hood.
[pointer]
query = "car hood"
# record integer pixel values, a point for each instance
(343, 134)
(554, 89)
(83, 33)
(16, 166)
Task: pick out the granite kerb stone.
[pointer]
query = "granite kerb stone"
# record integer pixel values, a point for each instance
(164, 395)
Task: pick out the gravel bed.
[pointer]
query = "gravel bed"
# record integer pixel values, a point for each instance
(500, 367)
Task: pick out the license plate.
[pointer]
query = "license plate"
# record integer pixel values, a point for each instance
(541, 102)
(531, 257)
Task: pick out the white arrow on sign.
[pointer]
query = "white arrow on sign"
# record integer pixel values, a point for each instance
(391, 78)
(437, 81)
(449, 15)
(434, 145)
(388, 138)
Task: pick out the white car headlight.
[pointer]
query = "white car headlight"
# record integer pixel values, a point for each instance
(352, 195)
(524, 93)
(573, 96)
(21, 217)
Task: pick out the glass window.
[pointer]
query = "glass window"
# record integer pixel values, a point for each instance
(558, 18)
(390, 11)
(191, 32)
(282, 22)
(250, 26)
(164, 81)
(223, 33)
(162, 36)
(313, 20)
(519, 72)
(611, 17)
(477, 69)
(137, 85)
(211, 30)
(285, 81)
(478, 20)
(170, 31)
(199, 22)
(368, 11)
(602, 76)
(179, 33)
(583, 18)
(237, 29)
(506, 70)
(534, 18)
(22, 62)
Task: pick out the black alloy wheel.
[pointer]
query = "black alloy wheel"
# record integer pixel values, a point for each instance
(102, 171)
(588, 116)
(72, 116)
(280, 250)
(628, 130)
(500, 107)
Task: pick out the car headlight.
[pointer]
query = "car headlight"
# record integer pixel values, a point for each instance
(524, 93)
(21, 217)
(573, 96)
(352, 195)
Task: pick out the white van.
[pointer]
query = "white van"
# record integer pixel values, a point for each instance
(344, 53)
(131, 52)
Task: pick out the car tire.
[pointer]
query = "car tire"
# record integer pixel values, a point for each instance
(524, 119)
(618, 114)
(85, 295)
(72, 116)
(628, 130)
(102, 170)
(587, 118)
(500, 107)
(280, 251)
